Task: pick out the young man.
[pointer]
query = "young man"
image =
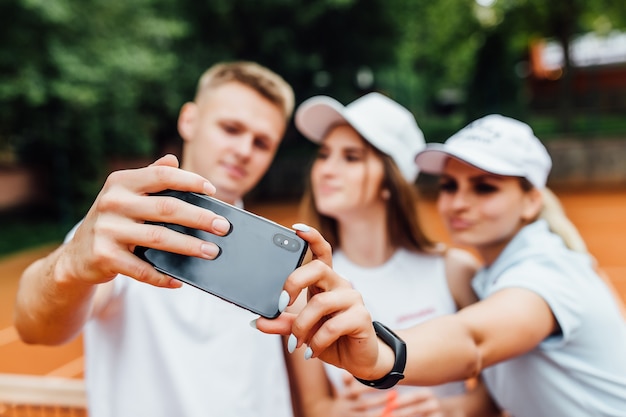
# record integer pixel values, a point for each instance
(151, 350)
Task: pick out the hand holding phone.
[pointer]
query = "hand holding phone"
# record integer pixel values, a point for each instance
(255, 258)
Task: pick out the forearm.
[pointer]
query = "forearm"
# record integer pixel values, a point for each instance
(440, 350)
(50, 308)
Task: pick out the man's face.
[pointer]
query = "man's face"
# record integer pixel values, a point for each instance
(231, 135)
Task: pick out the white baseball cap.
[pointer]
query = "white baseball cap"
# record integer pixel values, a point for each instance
(385, 124)
(496, 144)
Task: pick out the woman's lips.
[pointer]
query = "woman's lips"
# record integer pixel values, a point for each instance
(457, 223)
(326, 190)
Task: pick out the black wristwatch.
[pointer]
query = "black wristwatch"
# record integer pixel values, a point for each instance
(399, 348)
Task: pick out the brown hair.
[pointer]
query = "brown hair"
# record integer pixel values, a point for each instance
(403, 223)
(263, 80)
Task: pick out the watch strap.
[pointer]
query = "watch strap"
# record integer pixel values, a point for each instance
(399, 348)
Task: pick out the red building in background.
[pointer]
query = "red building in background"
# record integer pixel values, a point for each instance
(598, 70)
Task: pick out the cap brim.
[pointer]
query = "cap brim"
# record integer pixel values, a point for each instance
(316, 115)
(432, 160)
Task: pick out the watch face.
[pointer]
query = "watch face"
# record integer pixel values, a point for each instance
(399, 349)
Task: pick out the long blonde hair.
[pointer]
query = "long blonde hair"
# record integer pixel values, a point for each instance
(553, 212)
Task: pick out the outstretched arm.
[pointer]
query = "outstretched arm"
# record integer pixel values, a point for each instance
(337, 328)
(58, 293)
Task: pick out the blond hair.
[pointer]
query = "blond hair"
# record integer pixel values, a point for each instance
(263, 80)
(553, 212)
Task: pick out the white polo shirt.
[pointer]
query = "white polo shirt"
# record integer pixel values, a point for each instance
(181, 352)
(159, 352)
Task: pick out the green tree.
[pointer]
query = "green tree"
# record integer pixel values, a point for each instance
(86, 81)
(319, 46)
(79, 83)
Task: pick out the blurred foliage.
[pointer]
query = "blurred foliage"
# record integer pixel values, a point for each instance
(84, 82)
(24, 229)
(79, 84)
(511, 26)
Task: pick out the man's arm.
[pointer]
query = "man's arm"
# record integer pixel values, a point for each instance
(58, 293)
(51, 308)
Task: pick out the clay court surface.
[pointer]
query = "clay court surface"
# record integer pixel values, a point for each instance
(599, 215)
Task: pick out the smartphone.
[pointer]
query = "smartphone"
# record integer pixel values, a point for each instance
(255, 258)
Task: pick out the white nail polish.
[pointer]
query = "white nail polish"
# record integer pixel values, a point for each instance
(301, 227)
(292, 343)
(308, 353)
(253, 323)
(283, 301)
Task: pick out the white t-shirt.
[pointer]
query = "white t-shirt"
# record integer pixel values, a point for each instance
(181, 352)
(406, 290)
(580, 372)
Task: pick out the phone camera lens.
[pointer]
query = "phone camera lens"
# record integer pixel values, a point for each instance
(286, 242)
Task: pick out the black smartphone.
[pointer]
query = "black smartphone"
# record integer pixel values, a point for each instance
(255, 259)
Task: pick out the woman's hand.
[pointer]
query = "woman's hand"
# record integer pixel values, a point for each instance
(422, 402)
(354, 399)
(334, 324)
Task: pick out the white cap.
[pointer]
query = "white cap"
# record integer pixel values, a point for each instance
(496, 144)
(385, 124)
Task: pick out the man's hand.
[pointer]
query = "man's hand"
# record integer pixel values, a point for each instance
(116, 223)
(58, 293)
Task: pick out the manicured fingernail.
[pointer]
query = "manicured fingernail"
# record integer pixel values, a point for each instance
(283, 301)
(209, 189)
(210, 250)
(308, 353)
(221, 225)
(301, 227)
(292, 343)
(253, 323)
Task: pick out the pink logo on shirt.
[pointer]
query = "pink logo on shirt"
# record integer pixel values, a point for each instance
(420, 314)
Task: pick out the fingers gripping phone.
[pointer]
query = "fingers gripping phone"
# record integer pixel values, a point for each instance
(255, 259)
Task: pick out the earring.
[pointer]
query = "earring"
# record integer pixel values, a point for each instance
(385, 194)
